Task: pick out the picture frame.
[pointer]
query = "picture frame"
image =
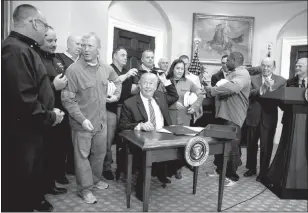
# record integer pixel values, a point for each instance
(218, 35)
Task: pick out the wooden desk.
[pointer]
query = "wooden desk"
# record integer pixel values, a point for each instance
(159, 147)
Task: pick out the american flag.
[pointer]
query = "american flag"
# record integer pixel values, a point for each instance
(195, 65)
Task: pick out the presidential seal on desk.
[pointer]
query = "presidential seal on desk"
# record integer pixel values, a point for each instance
(196, 151)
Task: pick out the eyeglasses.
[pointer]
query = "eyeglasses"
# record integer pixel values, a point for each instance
(47, 27)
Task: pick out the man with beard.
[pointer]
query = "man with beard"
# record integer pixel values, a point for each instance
(231, 104)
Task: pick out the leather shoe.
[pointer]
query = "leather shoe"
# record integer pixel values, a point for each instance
(57, 191)
(250, 173)
(44, 206)
(108, 175)
(63, 180)
(258, 179)
(178, 175)
(164, 179)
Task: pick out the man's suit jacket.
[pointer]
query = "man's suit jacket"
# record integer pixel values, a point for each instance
(133, 111)
(292, 82)
(217, 77)
(260, 110)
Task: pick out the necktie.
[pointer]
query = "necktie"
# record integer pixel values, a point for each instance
(303, 84)
(152, 114)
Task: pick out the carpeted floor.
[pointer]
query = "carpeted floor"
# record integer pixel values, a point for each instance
(178, 196)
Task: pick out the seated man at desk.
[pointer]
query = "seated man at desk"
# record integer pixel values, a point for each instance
(148, 111)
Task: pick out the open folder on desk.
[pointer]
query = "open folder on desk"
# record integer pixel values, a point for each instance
(180, 130)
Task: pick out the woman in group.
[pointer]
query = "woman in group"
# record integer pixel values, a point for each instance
(180, 113)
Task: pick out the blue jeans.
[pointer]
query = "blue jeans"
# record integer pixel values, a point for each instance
(89, 151)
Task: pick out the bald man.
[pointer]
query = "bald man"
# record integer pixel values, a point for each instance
(163, 64)
(73, 51)
(71, 55)
(261, 119)
(231, 104)
(28, 108)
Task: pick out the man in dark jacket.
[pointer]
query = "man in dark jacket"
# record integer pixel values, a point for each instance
(56, 138)
(148, 111)
(261, 119)
(27, 109)
(119, 59)
(71, 55)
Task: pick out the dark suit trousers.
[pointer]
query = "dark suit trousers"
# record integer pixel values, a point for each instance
(234, 155)
(56, 143)
(266, 136)
(22, 164)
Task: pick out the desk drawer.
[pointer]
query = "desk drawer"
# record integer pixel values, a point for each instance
(162, 155)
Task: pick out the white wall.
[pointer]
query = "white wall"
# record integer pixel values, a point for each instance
(79, 17)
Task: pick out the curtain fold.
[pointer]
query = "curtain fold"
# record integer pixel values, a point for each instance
(6, 19)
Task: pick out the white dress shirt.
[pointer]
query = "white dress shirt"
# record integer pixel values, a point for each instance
(70, 56)
(158, 115)
(300, 82)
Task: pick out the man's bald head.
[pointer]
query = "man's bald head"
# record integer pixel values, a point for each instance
(235, 59)
(74, 45)
(301, 68)
(25, 12)
(268, 66)
(163, 64)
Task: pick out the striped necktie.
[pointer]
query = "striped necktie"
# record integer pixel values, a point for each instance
(303, 84)
(152, 114)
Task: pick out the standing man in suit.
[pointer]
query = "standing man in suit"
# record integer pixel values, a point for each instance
(28, 107)
(262, 119)
(149, 111)
(231, 104)
(222, 73)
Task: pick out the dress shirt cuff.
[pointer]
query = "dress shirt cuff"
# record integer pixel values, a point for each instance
(167, 83)
(261, 91)
(137, 127)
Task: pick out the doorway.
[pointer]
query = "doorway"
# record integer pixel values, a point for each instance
(297, 52)
(134, 43)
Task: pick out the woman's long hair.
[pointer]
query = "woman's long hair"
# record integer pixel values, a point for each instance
(171, 69)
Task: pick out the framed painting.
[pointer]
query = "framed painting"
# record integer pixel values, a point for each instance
(218, 35)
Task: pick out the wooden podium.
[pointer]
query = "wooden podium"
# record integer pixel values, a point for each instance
(287, 176)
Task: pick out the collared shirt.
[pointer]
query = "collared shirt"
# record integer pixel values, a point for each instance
(85, 95)
(300, 82)
(195, 79)
(70, 56)
(234, 107)
(158, 115)
(145, 68)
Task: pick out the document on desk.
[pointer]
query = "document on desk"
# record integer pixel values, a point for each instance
(180, 130)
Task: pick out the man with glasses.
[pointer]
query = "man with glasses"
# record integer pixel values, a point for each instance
(28, 109)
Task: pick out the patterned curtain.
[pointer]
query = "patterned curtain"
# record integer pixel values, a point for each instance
(6, 19)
